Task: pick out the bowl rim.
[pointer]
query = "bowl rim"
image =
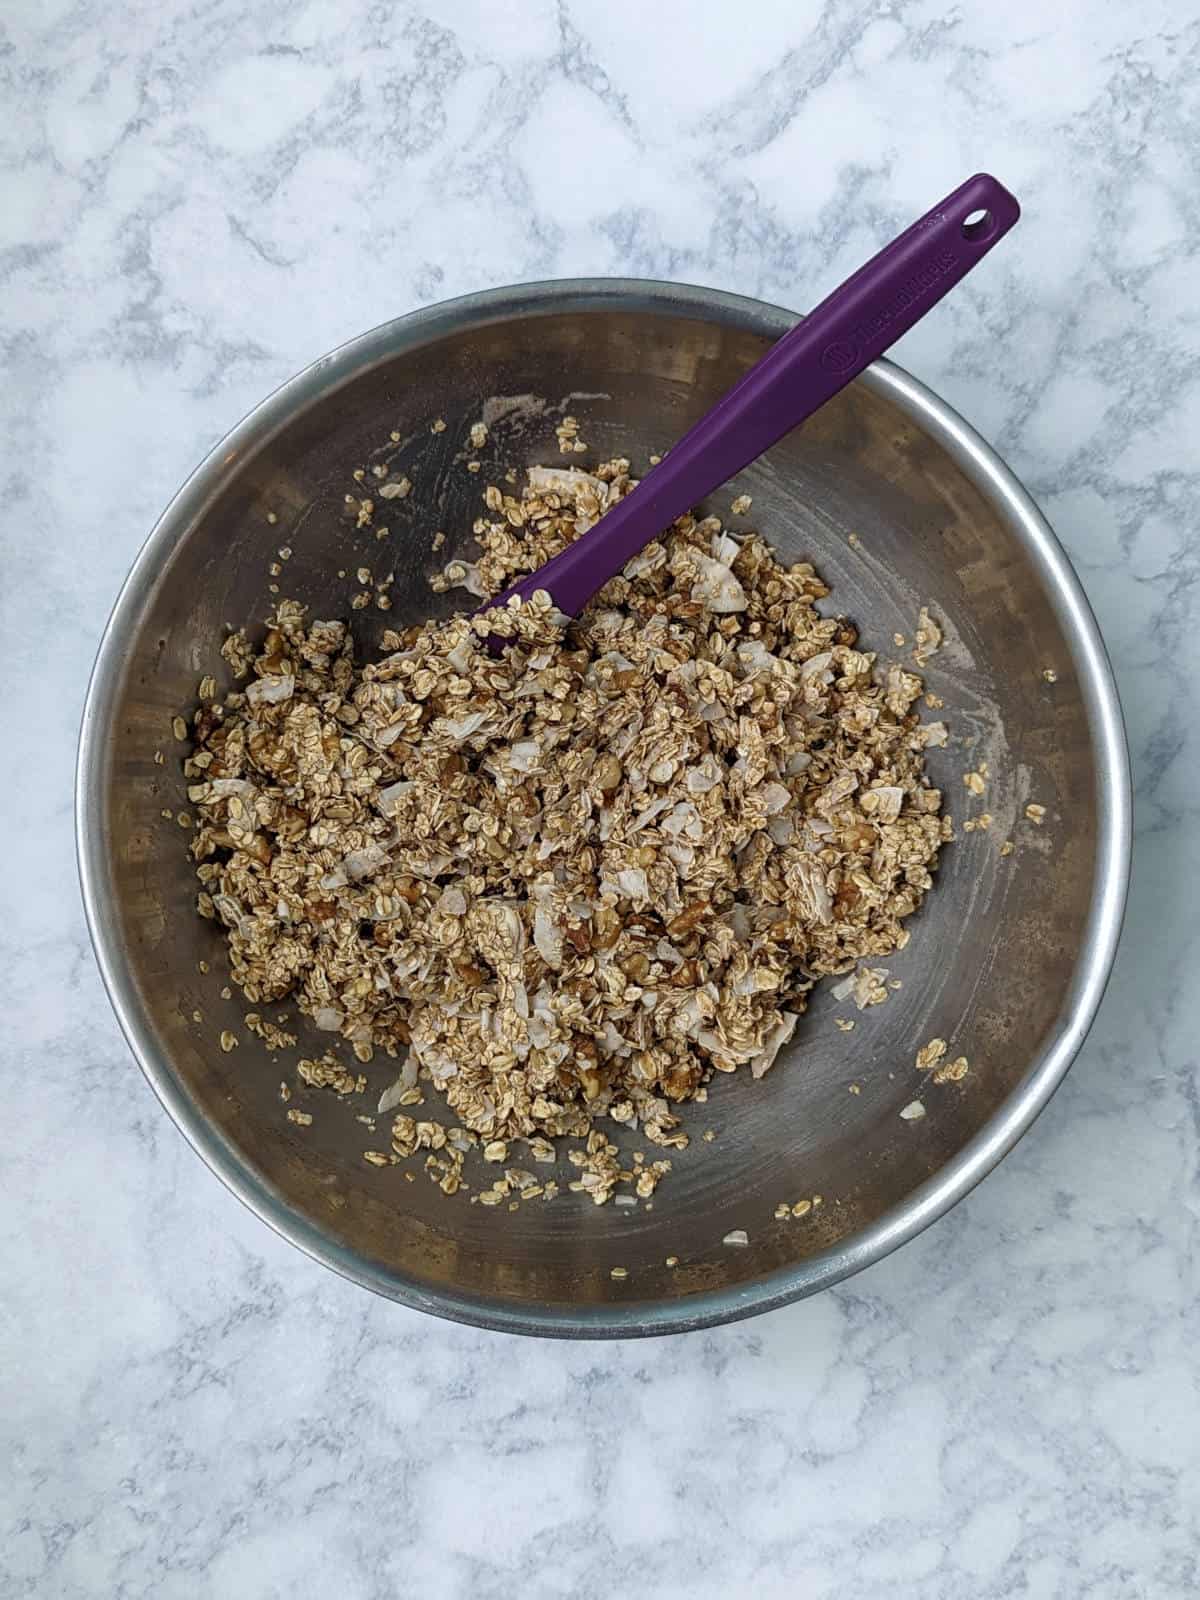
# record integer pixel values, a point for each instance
(924, 1204)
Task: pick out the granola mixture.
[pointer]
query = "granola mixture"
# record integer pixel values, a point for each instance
(567, 884)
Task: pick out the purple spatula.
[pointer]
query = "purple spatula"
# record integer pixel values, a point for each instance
(846, 332)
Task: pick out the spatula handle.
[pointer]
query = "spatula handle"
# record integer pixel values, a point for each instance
(846, 332)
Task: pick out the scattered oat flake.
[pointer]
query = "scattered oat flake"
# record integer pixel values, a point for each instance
(439, 426)
(1035, 813)
(952, 1071)
(671, 1261)
(741, 505)
(974, 781)
(802, 1208)
(229, 1041)
(737, 1237)
(1049, 675)
(1007, 848)
(618, 1272)
(846, 1024)
(913, 1111)
(930, 1054)
(302, 1119)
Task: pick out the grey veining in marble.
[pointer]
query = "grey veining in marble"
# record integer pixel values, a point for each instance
(196, 199)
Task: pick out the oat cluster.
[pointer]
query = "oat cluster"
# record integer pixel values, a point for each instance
(572, 881)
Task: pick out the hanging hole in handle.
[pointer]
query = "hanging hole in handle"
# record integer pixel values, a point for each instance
(978, 226)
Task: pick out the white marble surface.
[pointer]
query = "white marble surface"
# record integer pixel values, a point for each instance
(198, 198)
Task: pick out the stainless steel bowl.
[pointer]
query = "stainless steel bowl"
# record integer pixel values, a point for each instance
(899, 504)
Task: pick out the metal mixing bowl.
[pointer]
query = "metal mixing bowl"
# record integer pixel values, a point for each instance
(899, 504)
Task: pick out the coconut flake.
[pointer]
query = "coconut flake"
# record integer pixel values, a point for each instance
(883, 802)
(525, 755)
(547, 936)
(705, 775)
(754, 655)
(775, 1040)
(646, 817)
(683, 822)
(565, 480)
(271, 691)
(716, 588)
(453, 902)
(224, 788)
(382, 738)
(646, 561)
(460, 729)
(462, 655)
(913, 1111)
(738, 1237)
(465, 575)
(632, 883)
(395, 1092)
(362, 863)
(806, 879)
(818, 663)
(389, 799)
(781, 830)
(328, 1018)
(774, 797)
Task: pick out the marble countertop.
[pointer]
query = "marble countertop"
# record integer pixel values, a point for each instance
(199, 198)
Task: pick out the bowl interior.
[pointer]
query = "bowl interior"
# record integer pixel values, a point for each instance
(893, 521)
